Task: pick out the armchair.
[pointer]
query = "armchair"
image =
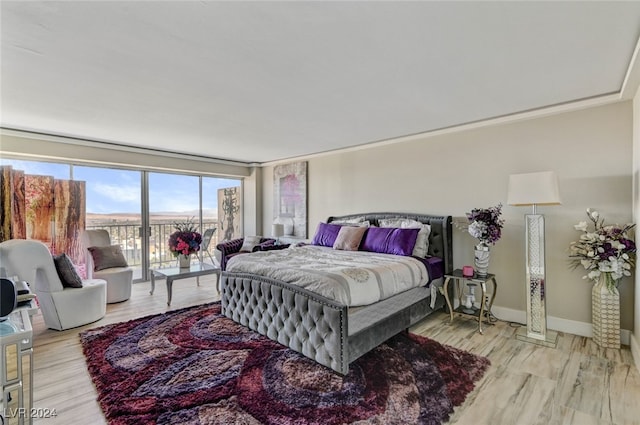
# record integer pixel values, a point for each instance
(119, 279)
(62, 308)
(232, 247)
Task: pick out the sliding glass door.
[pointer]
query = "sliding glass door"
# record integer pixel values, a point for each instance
(113, 203)
(173, 198)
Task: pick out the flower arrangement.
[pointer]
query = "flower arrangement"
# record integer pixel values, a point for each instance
(185, 240)
(607, 250)
(485, 224)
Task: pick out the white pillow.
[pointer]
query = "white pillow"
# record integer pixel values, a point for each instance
(355, 220)
(422, 243)
(365, 223)
(250, 242)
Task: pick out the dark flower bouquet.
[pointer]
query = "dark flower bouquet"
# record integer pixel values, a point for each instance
(606, 251)
(185, 240)
(485, 224)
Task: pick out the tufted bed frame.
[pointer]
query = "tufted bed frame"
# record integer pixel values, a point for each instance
(322, 329)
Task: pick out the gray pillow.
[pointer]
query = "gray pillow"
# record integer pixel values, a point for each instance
(250, 242)
(66, 271)
(107, 257)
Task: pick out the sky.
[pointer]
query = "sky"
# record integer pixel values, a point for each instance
(111, 190)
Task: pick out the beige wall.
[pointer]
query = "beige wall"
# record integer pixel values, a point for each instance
(635, 337)
(590, 150)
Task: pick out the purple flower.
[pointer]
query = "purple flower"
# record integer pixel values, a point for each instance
(606, 251)
(485, 224)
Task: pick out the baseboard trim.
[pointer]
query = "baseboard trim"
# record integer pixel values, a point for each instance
(635, 350)
(563, 325)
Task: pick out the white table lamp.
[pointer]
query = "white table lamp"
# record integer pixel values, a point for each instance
(277, 231)
(535, 189)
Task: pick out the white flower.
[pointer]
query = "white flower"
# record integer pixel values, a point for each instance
(594, 274)
(582, 226)
(610, 240)
(586, 264)
(477, 229)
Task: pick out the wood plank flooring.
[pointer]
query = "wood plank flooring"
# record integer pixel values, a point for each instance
(576, 383)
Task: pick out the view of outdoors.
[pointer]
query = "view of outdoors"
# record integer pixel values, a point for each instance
(114, 202)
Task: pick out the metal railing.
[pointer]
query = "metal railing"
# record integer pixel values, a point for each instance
(128, 236)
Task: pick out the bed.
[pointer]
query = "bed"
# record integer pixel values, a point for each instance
(326, 328)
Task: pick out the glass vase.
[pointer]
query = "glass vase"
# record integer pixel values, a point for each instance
(184, 260)
(605, 312)
(481, 259)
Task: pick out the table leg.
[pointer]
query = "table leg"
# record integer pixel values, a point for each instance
(169, 286)
(495, 291)
(153, 282)
(483, 290)
(446, 297)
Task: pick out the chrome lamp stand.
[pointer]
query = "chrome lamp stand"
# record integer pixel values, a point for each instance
(534, 189)
(536, 331)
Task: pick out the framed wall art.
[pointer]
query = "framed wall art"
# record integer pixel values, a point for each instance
(290, 198)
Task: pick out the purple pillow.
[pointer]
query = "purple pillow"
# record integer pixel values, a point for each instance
(326, 234)
(389, 240)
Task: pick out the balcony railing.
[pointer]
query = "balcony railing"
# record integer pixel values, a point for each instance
(128, 236)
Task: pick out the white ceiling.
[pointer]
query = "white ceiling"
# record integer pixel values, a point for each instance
(264, 81)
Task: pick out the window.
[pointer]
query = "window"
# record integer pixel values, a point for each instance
(114, 199)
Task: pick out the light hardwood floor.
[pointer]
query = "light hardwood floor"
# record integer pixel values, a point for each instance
(576, 383)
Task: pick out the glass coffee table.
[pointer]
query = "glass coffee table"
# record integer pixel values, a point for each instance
(175, 273)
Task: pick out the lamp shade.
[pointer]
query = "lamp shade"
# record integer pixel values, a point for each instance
(533, 189)
(277, 230)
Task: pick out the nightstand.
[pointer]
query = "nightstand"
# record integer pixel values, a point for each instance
(470, 283)
(16, 368)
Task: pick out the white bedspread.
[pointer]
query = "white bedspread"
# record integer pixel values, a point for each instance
(352, 278)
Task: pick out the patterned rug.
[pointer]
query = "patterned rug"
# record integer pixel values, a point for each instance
(194, 366)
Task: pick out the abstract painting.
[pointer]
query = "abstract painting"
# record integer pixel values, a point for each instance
(290, 198)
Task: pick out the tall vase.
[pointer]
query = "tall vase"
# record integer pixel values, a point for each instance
(481, 259)
(184, 260)
(605, 312)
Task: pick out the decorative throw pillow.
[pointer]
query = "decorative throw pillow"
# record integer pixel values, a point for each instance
(349, 238)
(326, 234)
(388, 240)
(421, 249)
(365, 223)
(66, 272)
(249, 243)
(107, 257)
(355, 220)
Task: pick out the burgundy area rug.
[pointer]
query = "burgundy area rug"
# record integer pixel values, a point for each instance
(195, 366)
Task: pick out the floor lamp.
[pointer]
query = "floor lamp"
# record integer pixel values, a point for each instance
(533, 189)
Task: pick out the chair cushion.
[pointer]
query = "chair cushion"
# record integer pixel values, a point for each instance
(66, 271)
(106, 257)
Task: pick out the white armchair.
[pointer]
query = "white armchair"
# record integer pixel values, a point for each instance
(119, 279)
(62, 308)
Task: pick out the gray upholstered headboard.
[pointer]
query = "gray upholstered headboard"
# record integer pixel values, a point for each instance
(440, 239)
